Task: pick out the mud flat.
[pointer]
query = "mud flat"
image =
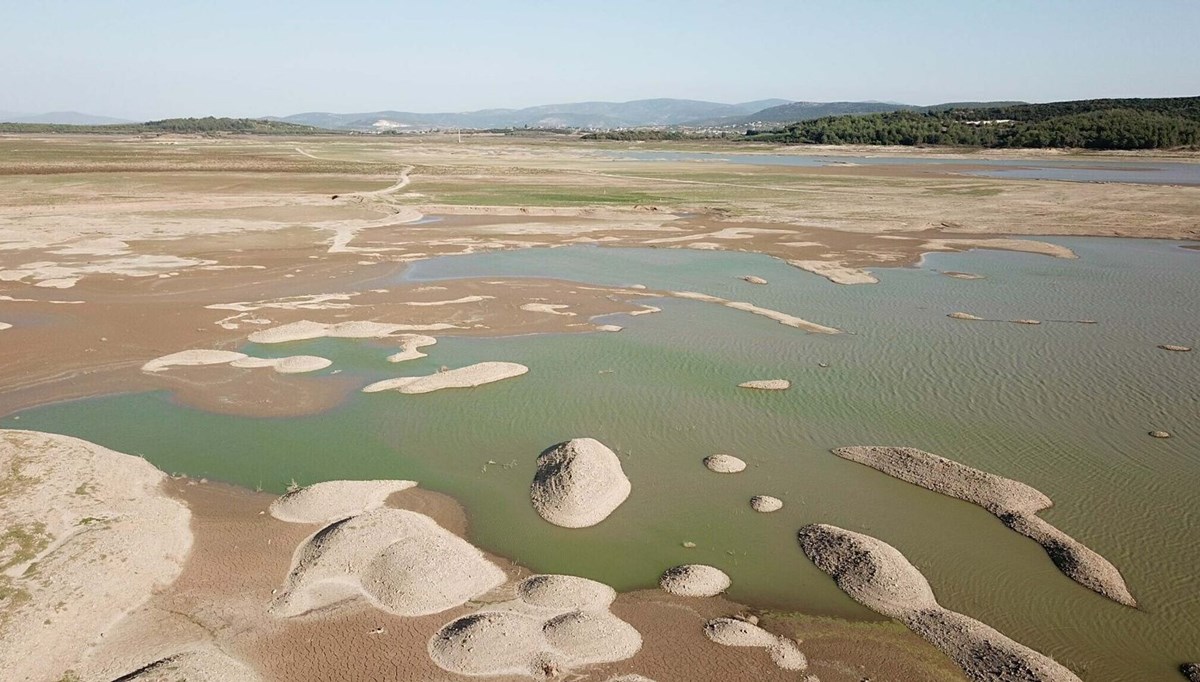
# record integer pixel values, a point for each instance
(1015, 503)
(464, 377)
(578, 483)
(879, 577)
(103, 534)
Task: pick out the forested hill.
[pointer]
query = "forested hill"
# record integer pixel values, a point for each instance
(206, 125)
(1087, 124)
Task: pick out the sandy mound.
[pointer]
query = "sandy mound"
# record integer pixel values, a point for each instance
(629, 678)
(1160, 434)
(541, 634)
(103, 535)
(962, 275)
(578, 483)
(695, 580)
(334, 500)
(734, 632)
(5, 325)
(401, 560)
(1191, 671)
(1177, 349)
(565, 593)
(753, 279)
(724, 464)
(1026, 321)
(192, 358)
(548, 308)
(1015, 503)
(410, 347)
(609, 328)
(765, 504)
(205, 664)
(306, 329)
(964, 316)
(767, 384)
(464, 377)
(293, 364)
(878, 576)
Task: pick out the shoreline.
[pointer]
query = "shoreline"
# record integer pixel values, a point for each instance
(239, 555)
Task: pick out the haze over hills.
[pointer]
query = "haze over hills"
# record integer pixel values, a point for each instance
(791, 112)
(74, 118)
(647, 112)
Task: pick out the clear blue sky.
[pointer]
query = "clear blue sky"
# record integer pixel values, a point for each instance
(157, 58)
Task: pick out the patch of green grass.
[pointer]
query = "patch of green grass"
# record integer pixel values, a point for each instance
(21, 542)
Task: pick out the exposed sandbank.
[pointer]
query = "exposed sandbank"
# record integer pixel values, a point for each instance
(1013, 502)
(724, 464)
(736, 632)
(402, 561)
(767, 384)
(878, 576)
(781, 318)
(578, 483)
(89, 534)
(330, 501)
(463, 377)
(694, 580)
(765, 504)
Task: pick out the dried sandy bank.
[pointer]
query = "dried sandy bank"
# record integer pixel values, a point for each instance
(736, 632)
(463, 377)
(765, 504)
(1175, 348)
(695, 580)
(1015, 503)
(410, 347)
(781, 318)
(201, 664)
(89, 534)
(402, 561)
(767, 384)
(578, 483)
(294, 364)
(835, 271)
(724, 464)
(304, 330)
(330, 501)
(878, 576)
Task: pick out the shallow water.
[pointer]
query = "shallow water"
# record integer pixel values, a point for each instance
(1065, 407)
(1073, 170)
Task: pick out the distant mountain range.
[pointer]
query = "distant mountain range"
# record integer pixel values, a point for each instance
(596, 115)
(645, 113)
(611, 115)
(73, 118)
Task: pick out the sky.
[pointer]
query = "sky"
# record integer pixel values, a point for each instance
(147, 59)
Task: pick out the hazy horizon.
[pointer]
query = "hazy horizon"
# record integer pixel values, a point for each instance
(138, 60)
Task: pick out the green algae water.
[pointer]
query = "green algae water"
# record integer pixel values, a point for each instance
(1063, 406)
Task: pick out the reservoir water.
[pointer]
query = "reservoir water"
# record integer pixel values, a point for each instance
(1080, 169)
(1062, 406)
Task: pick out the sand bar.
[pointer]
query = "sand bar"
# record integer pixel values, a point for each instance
(695, 580)
(330, 501)
(781, 318)
(464, 377)
(767, 384)
(879, 577)
(1015, 503)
